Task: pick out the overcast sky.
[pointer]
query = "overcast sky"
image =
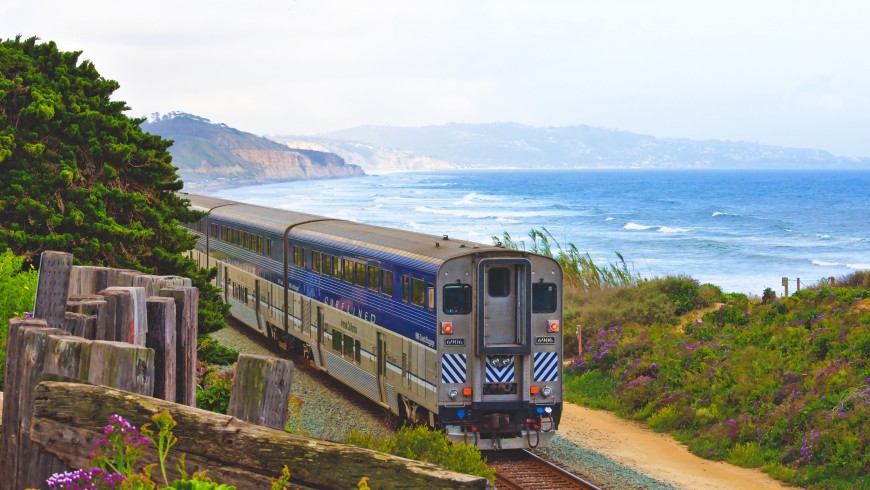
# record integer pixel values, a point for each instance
(781, 72)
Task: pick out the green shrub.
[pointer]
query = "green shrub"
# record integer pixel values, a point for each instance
(747, 455)
(17, 294)
(666, 419)
(214, 387)
(592, 389)
(212, 352)
(784, 385)
(424, 444)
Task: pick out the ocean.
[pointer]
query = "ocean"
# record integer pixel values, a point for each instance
(740, 230)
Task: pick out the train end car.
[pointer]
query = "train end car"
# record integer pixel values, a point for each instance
(500, 348)
(457, 335)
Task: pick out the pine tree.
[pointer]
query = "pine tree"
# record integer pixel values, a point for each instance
(77, 175)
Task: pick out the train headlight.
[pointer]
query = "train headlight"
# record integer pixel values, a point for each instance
(553, 326)
(546, 391)
(446, 328)
(453, 394)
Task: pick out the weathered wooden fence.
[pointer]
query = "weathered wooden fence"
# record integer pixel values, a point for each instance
(118, 342)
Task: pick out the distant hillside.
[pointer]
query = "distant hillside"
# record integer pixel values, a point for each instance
(509, 144)
(204, 151)
(371, 158)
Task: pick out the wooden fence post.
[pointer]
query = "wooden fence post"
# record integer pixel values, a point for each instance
(261, 389)
(121, 365)
(53, 287)
(69, 357)
(25, 362)
(125, 315)
(161, 338)
(186, 308)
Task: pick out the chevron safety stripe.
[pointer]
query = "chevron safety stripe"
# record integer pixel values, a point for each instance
(453, 368)
(546, 366)
(499, 374)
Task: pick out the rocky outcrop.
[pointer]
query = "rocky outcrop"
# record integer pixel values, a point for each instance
(203, 151)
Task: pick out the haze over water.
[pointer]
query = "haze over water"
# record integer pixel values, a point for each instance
(740, 230)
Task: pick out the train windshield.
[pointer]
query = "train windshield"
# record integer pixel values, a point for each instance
(457, 299)
(543, 297)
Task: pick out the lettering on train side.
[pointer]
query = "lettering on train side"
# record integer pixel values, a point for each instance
(347, 307)
(424, 339)
(350, 327)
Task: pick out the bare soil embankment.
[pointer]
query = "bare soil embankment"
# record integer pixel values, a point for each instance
(655, 455)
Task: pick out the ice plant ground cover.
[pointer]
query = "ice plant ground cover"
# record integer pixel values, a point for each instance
(780, 384)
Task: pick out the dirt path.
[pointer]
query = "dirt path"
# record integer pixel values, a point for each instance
(655, 455)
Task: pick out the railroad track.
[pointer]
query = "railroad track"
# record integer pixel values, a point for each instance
(518, 469)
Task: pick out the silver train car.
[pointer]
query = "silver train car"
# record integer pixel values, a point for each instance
(458, 335)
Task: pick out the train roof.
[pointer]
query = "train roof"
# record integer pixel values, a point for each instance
(420, 246)
(270, 219)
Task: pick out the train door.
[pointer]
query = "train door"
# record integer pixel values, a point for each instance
(317, 350)
(382, 368)
(306, 317)
(503, 324)
(258, 305)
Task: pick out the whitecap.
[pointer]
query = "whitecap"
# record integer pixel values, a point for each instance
(718, 213)
(635, 226)
(822, 263)
(822, 236)
(609, 218)
(859, 267)
(668, 229)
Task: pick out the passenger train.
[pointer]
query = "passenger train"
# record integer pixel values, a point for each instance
(458, 335)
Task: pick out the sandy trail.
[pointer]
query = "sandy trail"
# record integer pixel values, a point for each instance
(655, 455)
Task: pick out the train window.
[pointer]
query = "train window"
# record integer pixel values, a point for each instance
(430, 301)
(418, 292)
(387, 282)
(336, 267)
(406, 286)
(336, 340)
(360, 277)
(543, 297)
(373, 278)
(457, 299)
(348, 270)
(299, 257)
(499, 282)
(269, 247)
(325, 264)
(348, 346)
(315, 261)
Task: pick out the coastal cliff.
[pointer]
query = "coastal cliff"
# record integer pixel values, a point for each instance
(204, 151)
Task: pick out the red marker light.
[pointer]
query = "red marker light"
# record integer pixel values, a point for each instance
(446, 328)
(553, 326)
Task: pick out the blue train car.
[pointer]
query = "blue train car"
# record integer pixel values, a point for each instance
(458, 335)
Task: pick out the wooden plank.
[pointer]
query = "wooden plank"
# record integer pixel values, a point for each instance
(69, 357)
(13, 387)
(88, 279)
(53, 287)
(186, 311)
(123, 366)
(126, 278)
(114, 277)
(126, 317)
(261, 389)
(235, 452)
(74, 323)
(30, 342)
(161, 338)
(94, 306)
